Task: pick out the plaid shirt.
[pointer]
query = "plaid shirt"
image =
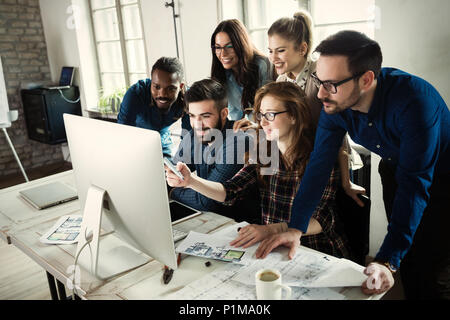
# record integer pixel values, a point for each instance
(277, 195)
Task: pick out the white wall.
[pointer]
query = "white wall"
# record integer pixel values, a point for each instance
(414, 36)
(197, 21)
(67, 35)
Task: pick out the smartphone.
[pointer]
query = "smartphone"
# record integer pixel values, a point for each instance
(171, 166)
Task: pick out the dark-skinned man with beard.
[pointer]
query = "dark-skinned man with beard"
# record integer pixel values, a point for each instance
(158, 102)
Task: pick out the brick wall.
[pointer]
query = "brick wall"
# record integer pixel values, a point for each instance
(24, 56)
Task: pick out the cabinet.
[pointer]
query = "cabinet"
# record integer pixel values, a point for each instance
(44, 109)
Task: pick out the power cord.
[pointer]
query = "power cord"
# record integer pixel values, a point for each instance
(67, 100)
(88, 238)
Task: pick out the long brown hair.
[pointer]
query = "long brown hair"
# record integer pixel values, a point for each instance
(248, 72)
(294, 100)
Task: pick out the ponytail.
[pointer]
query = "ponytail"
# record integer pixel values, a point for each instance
(297, 29)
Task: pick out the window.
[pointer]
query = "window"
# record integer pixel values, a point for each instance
(260, 14)
(329, 16)
(120, 43)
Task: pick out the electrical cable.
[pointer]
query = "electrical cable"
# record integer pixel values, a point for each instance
(67, 100)
(88, 238)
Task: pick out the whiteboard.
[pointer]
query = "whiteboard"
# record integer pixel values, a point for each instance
(4, 107)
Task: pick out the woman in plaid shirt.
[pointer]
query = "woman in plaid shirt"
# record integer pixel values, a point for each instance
(285, 118)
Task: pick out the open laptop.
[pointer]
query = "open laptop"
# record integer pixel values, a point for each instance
(65, 80)
(49, 195)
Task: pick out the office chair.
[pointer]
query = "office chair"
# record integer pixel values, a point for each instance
(356, 221)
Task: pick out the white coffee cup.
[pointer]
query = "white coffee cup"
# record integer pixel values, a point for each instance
(269, 286)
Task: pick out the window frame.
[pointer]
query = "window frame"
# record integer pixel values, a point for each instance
(305, 4)
(123, 48)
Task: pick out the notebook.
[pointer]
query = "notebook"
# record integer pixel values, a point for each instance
(49, 195)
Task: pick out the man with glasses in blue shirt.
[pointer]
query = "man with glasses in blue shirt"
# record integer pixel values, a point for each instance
(402, 118)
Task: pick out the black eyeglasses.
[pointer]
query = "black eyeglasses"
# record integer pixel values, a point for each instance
(331, 87)
(228, 48)
(269, 116)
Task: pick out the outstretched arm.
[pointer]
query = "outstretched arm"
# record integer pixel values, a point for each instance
(210, 189)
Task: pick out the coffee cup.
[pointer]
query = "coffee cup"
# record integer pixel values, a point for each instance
(269, 286)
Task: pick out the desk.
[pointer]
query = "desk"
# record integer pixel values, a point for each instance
(141, 283)
(17, 214)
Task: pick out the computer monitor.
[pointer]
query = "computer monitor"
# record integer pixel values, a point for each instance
(119, 171)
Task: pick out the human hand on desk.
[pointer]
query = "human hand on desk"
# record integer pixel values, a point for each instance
(173, 180)
(251, 234)
(289, 238)
(379, 281)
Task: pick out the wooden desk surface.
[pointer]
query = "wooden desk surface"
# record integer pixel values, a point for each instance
(57, 259)
(24, 225)
(16, 214)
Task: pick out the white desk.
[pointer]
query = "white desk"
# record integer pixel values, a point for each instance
(17, 214)
(144, 282)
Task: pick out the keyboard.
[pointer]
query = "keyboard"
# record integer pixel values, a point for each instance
(178, 235)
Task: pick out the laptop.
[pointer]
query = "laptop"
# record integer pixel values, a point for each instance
(48, 195)
(65, 80)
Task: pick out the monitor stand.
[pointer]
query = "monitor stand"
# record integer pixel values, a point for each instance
(108, 255)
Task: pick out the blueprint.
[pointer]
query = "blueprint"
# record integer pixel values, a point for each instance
(307, 269)
(220, 285)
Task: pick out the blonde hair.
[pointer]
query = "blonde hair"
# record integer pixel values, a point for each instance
(297, 29)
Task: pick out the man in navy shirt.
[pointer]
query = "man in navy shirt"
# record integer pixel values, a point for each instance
(157, 103)
(403, 119)
(213, 150)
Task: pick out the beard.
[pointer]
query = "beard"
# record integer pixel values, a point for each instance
(208, 137)
(335, 107)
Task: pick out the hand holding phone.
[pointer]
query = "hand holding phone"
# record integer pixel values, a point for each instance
(172, 167)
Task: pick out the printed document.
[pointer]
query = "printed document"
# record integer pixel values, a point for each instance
(308, 269)
(65, 231)
(220, 285)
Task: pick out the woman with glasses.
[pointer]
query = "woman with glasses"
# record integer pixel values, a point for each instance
(284, 119)
(239, 66)
(290, 45)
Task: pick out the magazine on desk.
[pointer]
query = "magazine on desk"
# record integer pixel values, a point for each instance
(65, 231)
(216, 246)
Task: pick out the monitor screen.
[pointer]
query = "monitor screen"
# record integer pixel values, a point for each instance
(66, 76)
(120, 178)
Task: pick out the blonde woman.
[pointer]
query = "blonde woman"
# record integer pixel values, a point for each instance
(290, 46)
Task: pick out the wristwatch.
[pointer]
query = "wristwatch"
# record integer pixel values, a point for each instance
(388, 265)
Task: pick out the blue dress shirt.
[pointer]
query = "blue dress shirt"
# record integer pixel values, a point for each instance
(408, 125)
(139, 109)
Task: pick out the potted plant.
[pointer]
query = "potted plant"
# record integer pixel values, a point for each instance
(110, 102)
